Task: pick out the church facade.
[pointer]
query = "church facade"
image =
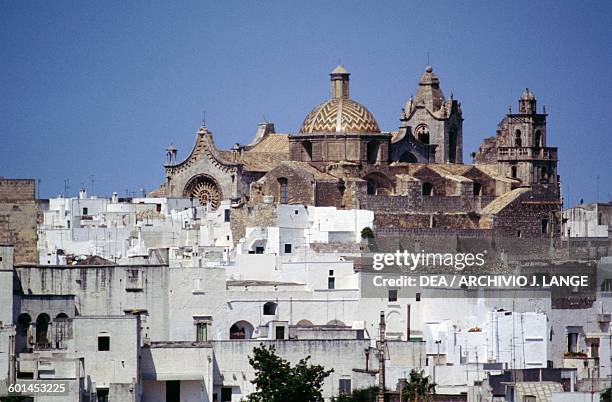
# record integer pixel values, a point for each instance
(413, 177)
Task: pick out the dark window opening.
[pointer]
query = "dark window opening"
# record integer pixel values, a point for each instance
(452, 147)
(227, 213)
(513, 172)
(418, 297)
(517, 138)
(280, 332)
(422, 134)
(538, 139)
(259, 250)
(158, 207)
(392, 295)
(331, 283)
(287, 248)
(427, 189)
(307, 146)
(373, 147)
(103, 343)
(477, 189)
(23, 323)
(519, 234)
(284, 190)
(572, 342)
(269, 308)
(331, 272)
(102, 394)
(85, 211)
(372, 187)
(544, 225)
(226, 394)
(173, 391)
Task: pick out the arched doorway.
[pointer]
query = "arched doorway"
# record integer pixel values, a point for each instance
(22, 343)
(205, 189)
(241, 330)
(378, 184)
(42, 328)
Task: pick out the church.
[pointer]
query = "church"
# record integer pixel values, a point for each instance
(412, 177)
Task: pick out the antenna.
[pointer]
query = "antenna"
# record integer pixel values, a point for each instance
(92, 184)
(203, 118)
(428, 58)
(597, 192)
(66, 187)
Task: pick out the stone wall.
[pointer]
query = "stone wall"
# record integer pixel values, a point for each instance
(261, 215)
(18, 214)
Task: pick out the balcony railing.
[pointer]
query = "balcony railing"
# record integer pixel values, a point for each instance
(521, 153)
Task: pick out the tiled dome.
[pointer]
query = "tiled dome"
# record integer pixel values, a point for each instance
(339, 115)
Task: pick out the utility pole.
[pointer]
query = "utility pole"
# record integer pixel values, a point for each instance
(381, 358)
(438, 342)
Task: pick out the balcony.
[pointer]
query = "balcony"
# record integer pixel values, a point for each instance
(526, 153)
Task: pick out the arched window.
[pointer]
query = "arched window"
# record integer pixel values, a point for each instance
(373, 147)
(269, 308)
(283, 197)
(61, 328)
(422, 134)
(517, 139)
(513, 172)
(538, 139)
(477, 189)
(241, 330)
(307, 146)
(42, 327)
(427, 189)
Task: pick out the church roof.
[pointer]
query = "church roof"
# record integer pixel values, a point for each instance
(429, 92)
(340, 70)
(501, 202)
(272, 143)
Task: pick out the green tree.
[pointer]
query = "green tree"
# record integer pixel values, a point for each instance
(367, 233)
(276, 380)
(359, 395)
(418, 388)
(606, 396)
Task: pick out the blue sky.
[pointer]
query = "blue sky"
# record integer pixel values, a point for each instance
(102, 88)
